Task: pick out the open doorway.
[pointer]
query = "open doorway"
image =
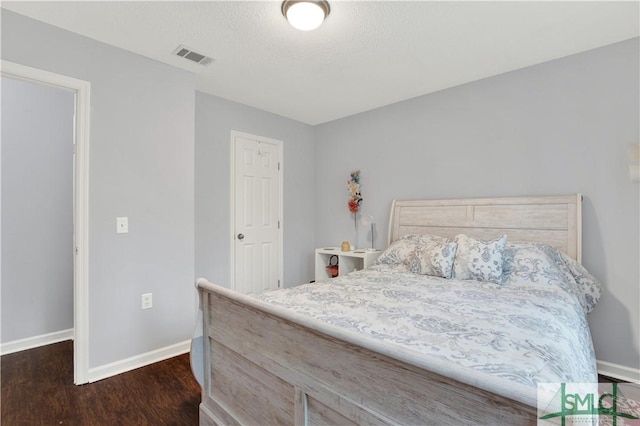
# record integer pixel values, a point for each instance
(37, 214)
(44, 211)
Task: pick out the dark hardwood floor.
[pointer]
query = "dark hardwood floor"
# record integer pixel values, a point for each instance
(38, 389)
(607, 379)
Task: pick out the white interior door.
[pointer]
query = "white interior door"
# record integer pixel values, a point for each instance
(257, 213)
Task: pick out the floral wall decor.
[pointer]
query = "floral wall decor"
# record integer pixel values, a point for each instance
(354, 191)
(355, 199)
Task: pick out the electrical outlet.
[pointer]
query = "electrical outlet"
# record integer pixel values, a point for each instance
(147, 301)
(122, 225)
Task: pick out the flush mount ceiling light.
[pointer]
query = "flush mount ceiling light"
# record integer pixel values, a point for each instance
(305, 15)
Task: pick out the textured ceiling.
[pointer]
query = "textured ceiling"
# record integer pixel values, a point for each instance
(365, 55)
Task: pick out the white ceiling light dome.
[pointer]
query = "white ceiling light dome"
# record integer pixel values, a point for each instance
(305, 15)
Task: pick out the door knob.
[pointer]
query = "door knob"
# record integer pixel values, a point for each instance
(241, 236)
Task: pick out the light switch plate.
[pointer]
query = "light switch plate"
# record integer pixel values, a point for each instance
(122, 225)
(147, 301)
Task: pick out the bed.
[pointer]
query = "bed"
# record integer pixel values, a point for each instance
(325, 353)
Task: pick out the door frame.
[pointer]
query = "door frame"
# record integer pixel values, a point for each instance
(232, 235)
(81, 89)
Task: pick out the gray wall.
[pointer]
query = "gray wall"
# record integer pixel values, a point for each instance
(557, 128)
(141, 166)
(37, 209)
(215, 118)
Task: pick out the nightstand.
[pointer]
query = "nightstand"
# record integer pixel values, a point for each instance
(348, 261)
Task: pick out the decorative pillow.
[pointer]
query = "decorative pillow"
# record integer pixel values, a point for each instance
(479, 260)
(588, 286)
(399, 252)
(528, 263)
(537, 263)
(404, 250)
(434, 257)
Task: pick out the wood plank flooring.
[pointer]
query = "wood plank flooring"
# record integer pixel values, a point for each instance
(38, 389)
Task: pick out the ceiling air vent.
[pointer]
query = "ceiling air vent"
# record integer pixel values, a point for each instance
(187, 53)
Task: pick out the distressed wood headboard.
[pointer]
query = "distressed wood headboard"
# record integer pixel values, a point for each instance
(554, 220)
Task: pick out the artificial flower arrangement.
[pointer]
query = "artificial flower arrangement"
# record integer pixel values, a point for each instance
(354, 190)
(355, 200)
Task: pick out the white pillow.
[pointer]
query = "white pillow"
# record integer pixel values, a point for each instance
(479, 260)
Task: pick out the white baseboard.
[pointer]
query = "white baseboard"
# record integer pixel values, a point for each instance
(620, 372)
(128, 364)
(36, 341)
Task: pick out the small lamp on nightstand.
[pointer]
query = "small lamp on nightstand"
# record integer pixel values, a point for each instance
(367, 221)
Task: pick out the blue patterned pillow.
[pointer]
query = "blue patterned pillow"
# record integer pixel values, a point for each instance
(399, 252)
(526, 263)
(479, 260)
(434, 257)
(588, 286)
(537, 263)
(404, 251)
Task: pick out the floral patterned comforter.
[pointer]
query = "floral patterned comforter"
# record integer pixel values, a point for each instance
(504, 338)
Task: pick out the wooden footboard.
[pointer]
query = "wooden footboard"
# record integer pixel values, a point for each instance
(264, 369)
